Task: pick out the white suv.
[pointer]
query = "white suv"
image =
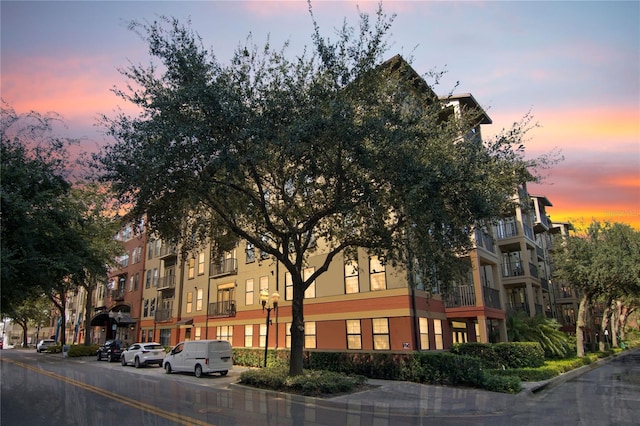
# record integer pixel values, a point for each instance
(140, 354)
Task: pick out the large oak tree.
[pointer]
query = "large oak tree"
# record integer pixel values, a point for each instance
(334, 145)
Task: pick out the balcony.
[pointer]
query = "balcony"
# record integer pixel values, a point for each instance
(505, 230)
(462, 295)
(223, 267)
(491, 298)
(168, 250)
(222, 309)
(484, 240)
(168, 282)
(163, 315)
(117, 294)
(512, 269)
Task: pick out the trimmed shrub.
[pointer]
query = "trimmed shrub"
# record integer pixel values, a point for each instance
(504, 384)
(82, 350)
(519, 354)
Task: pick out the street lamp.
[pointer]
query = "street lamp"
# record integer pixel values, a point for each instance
(264, 298)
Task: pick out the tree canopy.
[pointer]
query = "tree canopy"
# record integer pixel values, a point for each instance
(55, 234)
(603, 264)
(340, 145)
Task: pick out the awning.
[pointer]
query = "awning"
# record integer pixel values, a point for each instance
(185, 322)
(100, 319)
(124, 318)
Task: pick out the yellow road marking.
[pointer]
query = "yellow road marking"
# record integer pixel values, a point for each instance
(184, 420)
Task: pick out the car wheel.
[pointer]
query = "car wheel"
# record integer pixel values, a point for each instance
(136, 362)
(198, 370)
(224, 373)
(167, 368)
(123, 361)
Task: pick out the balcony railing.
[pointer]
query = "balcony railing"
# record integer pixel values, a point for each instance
(484, 240)
(163, 314)
(512, 269)
(544, 283)
(167, 282)
(462, 295)
(117, 294)
(226, 308)
(505, 230)
(528, 232)
(168, 249)
(491, 298)
(533, 270)
(223, 267)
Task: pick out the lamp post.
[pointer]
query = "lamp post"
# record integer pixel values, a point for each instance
(264, 298)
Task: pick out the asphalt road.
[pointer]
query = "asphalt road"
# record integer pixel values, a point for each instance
(47, 389)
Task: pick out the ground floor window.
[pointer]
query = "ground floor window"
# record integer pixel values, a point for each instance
(310, 340)
(424, 334)
(225, 332)
(459, 332)
(248, 335)
(287, 336)
(381, 334)
(165, 337)
(354, 334)
(437, 333)
(263, 335)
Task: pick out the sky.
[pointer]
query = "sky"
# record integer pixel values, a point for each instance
(573, 65)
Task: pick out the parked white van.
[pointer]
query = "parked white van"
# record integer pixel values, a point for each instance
(200, 357)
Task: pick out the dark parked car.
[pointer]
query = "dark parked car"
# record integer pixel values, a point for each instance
(111, 350)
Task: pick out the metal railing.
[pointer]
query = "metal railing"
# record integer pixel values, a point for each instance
(226, 308)
(223, 267)
(166, 282)
(491, 297)
(163, 314)
(461, 295)
(484, 240)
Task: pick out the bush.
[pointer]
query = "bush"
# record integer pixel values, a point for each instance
(519, 354)
(502, 383)
(309, 383)
(82, 350)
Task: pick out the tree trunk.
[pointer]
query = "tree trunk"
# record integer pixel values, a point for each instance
(87, 317)
(297, 328)
(580, 324)
(604, 338)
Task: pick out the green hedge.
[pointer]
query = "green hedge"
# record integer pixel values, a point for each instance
(504, 355)
(82, 350)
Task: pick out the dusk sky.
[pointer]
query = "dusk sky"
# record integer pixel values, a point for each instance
(574, 65)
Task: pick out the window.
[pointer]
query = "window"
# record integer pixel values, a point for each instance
(424, 333)
(152, 310)
(263, 335)
(377, 274)
(288, 286)
(150, 249)
(189, 302)
(165, 337)
(198, 333)
(310, 292)
(351, 278)
(310, 335)
(146, 308)
(287, 336)
(437, 333)
(380, 333)
(250, 251)
(354, 334)
(187, 334)
(131, 283)
(264, 283)
(459, 331)
(155, 277)
(201, 263)
(248, 336)
(248, 292)
(157, 247)
(225, 332)
(191, 268)
(136, 282)
(147, 284)
(199, 298)
(150, 336)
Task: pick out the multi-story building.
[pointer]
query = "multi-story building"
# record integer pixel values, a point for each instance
(360, 303)
(118, 302)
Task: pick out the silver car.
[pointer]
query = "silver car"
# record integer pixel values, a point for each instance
(140, 354)
(43, 345)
